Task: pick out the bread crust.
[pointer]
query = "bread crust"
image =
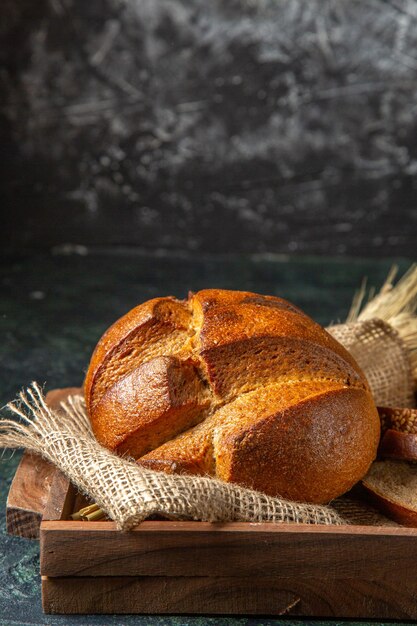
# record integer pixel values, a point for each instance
(305, 445)
(402, 419)
(153, 315)
(391, 486)
(393, 510)
(398, 445)
(243, 315)
(241, 347)
(150, 405)
(312, 451)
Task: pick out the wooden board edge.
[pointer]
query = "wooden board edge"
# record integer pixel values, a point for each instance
(161, 526)
(23, 523)
(92, 549)
(60, 500)
(30, 488)
(28, 495)
(276, 596)
(54, 397)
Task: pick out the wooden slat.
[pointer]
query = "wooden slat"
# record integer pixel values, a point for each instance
(31, 484)
(238, 549)
(60, 499)
(391, 598)
(54, 397)
(28, 495)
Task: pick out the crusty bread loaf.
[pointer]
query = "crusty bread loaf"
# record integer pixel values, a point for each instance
(236, 385)
(392, 486)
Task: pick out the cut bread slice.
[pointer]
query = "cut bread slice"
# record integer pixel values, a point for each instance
(392, 487)
(398, 445)
(399, 433)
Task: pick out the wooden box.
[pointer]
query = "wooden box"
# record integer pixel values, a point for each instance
(203, 568)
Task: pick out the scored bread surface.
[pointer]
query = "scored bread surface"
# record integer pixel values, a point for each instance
(237, 385)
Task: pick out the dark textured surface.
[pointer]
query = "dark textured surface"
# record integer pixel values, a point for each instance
(247, 125)
(53, 310)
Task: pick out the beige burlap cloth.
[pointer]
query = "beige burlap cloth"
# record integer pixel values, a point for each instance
(130, 494)
(383, 357)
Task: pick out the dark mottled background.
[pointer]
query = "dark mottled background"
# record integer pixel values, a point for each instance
(149, 147)
(238, 126)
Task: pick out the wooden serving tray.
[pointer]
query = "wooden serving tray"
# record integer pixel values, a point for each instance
(203, 568)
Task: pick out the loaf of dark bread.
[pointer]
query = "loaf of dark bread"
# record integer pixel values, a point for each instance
(235, 385)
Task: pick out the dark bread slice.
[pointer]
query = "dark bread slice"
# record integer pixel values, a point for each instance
(398, 445)
(401, 419)
(392, 487)
(399, 433)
